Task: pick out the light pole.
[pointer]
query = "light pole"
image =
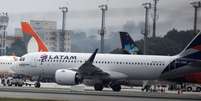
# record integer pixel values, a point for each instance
(196, 5)
(103, 8)
(62, 34)
(147, 7)
(154, 18)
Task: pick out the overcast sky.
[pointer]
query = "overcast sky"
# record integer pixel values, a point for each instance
(85, 14)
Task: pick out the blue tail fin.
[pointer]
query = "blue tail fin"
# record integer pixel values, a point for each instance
(128, 43)
(193, 49)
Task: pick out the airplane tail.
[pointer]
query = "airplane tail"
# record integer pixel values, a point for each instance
(27, 29)
(193, 49)
(128, 43)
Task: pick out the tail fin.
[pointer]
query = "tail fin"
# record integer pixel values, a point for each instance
(26, 28)
(128, 43)
(193, 49)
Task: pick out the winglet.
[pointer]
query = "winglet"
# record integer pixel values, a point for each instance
(26, 28)
(92, 57)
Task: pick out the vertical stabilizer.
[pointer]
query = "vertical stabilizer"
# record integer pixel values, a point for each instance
(193, 49)
(128, 43)
(27, 29)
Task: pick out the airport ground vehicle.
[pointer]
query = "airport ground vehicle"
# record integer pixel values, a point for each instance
(15, 80)
(188, 87)
(193, 87)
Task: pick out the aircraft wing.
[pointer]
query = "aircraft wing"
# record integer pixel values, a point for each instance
(88, 70)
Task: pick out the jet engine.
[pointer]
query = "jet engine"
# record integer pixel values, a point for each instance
(66, 77)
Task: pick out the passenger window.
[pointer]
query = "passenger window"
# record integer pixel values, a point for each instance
(22, 59)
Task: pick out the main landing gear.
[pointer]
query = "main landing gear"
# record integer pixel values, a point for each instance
(114, 85)
(37, 85)
(98, 87)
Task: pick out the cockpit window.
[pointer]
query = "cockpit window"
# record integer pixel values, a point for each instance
(22, 59)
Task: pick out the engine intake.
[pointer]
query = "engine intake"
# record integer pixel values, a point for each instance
(66, 77)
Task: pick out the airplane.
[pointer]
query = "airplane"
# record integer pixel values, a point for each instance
(6, 62)
(110, 70)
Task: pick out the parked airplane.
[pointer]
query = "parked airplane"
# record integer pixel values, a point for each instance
(7, 61)
(109, 70)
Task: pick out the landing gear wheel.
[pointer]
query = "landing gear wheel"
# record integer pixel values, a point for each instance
(37, 85)
(198, 89)
(20, 85)
(116, 88)
(98, 87)
(189, 89)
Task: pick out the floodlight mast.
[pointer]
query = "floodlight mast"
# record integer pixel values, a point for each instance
(62, 34)
(154, 18)
(103, 8)
(147, 7)
(196, 5)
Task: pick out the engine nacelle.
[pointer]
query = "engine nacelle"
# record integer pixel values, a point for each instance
(66, 77)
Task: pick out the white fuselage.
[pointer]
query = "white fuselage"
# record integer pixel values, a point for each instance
(6, 62)
(132, 67)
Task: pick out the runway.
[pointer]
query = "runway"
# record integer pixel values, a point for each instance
(88, 95)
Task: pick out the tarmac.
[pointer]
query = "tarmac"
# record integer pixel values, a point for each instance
(87, 94)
